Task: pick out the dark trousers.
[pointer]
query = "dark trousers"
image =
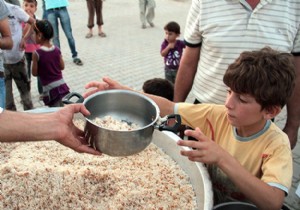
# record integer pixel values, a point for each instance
(94, 6)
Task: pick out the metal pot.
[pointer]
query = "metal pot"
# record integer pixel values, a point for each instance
(123, 105)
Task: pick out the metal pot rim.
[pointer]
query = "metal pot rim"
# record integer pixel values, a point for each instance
(130, 92)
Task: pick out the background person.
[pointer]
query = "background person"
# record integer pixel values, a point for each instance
(5, 43)
(48, 64)
(171, 49)
(95, 6)
(147, 12)
(57, 11)
(14, 60)
(160, 87)
(214, 39)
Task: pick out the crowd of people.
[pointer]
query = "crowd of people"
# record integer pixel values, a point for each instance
(222, 60)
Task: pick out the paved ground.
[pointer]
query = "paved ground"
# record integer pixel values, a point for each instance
(128, 54)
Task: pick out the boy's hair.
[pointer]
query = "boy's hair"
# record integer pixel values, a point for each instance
(31, 1)
(160, 87)
(45, 28)
(172, 27)
(267, 75)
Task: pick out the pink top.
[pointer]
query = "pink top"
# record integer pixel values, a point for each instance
(30, 44)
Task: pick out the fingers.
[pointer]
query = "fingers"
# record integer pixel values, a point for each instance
(96, 84)
(79, 108)
(87, 149)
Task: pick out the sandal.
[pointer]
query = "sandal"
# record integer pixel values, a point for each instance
(102, 34)
(88, 35)
(77, 61)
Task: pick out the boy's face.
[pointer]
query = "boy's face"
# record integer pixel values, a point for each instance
(245, 113)
(30, 8)
(170, 36)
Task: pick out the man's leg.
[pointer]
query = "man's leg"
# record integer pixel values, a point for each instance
(2, 91)
(10, 104)
(150, 13)
(142, 5)
(20, 78)
(53, 19)
(66, 26)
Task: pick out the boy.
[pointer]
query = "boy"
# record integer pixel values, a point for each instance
(171, 49)
(14, 60)
(160, 87)
(248, 156)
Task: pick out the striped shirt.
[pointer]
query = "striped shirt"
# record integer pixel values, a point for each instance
(225, 28)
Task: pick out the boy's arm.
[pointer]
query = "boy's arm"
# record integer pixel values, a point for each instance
(166, 50)
(166, 107)
(207, 151)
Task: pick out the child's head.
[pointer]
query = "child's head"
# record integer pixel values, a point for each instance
(43, 29)
(30, 6)
(172, 27)
(172, 31)
(160, 87)
(267, 75)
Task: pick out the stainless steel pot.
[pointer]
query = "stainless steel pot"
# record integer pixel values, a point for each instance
(123, 105)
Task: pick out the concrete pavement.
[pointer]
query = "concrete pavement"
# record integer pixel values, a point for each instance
(128, 54)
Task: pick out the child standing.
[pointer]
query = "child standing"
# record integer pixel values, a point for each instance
(95, 7)
(14, 60)
(171, 50)
(30, 7)
(248, 157)
(47, 63)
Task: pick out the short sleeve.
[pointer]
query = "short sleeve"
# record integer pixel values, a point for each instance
(3, 10)
(192, 34)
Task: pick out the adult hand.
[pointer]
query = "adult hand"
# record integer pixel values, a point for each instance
(107, 84)
(68, 134)
(206, 150)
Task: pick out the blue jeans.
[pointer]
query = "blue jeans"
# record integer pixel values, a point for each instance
(2, 93)
(62, 14)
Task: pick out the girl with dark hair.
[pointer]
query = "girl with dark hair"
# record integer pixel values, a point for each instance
(47, 63)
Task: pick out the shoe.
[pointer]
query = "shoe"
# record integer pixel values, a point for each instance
(143, 26)
(102, 34)
(88, 35)
(151, 25)
(77, 61)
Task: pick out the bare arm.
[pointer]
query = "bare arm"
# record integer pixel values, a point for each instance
(5, 40)
(293, 108)
(207, 151)
(166, 107)
(21, 126)
(34, 65)
(61, 63)
(186, 73)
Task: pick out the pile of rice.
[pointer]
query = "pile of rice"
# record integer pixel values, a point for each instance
(47, 175)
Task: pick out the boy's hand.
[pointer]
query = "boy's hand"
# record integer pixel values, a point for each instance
(22, 44)
(206, 150)
(107, 84)
(171, 45)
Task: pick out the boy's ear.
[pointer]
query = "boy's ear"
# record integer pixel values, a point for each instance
(271, 112)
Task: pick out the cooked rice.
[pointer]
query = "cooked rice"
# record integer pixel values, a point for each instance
(111, 123)
(47, 175)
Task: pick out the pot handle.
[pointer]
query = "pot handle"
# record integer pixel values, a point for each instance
(68, 97)
(173, 128)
